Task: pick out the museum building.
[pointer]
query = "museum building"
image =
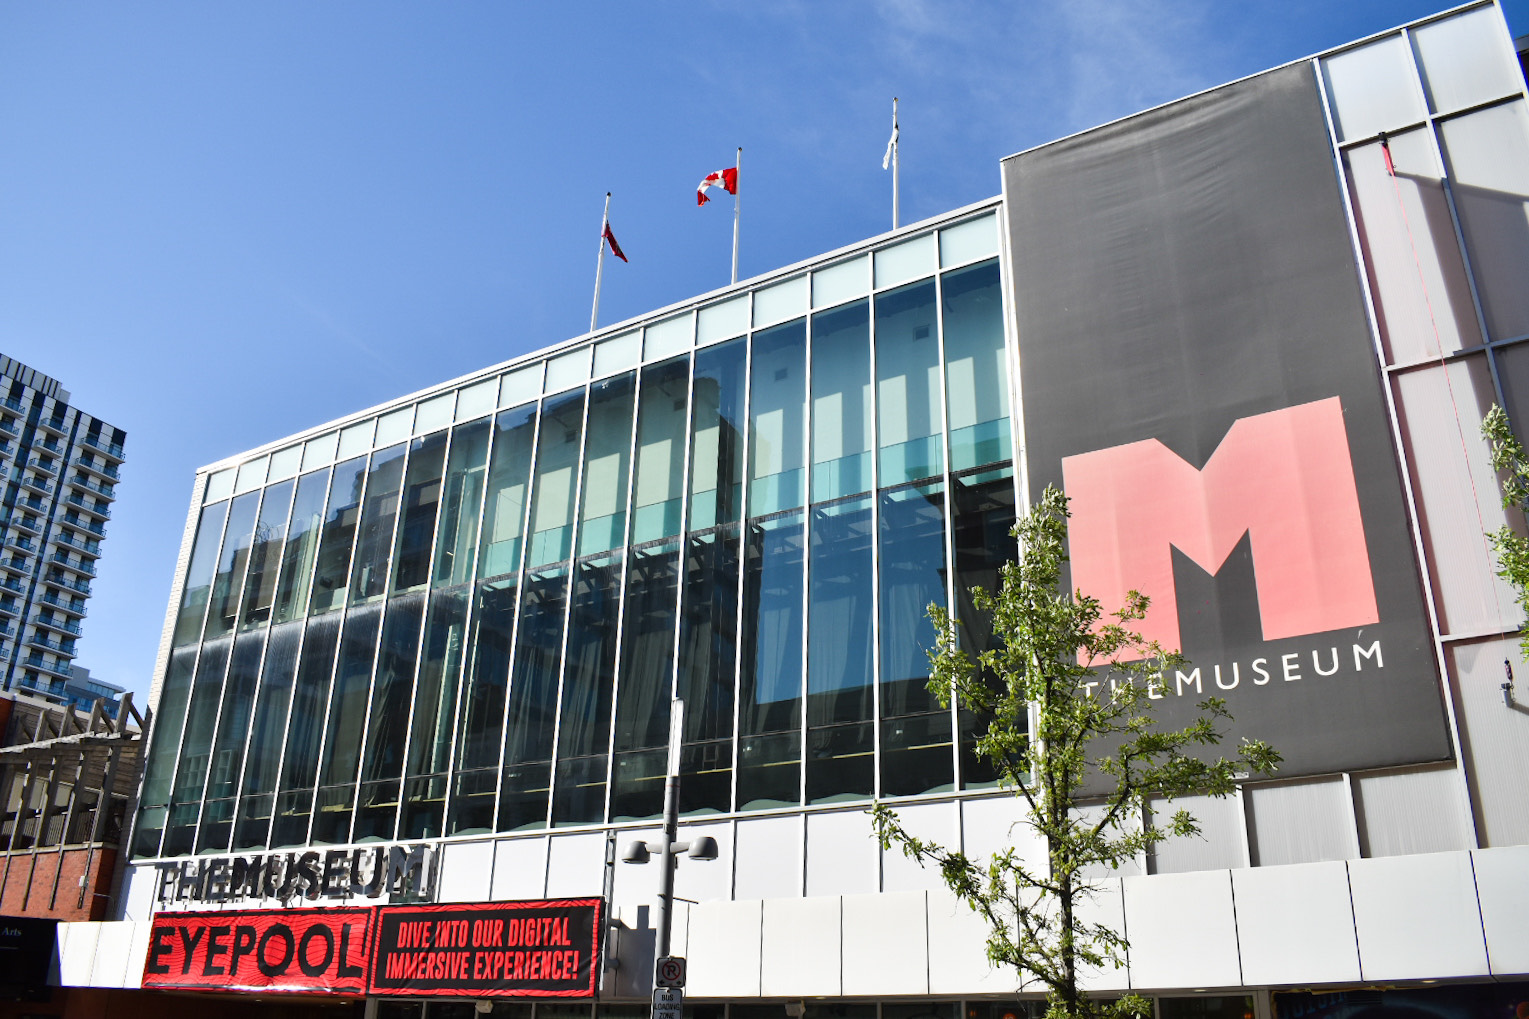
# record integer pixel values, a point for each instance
(413, 698)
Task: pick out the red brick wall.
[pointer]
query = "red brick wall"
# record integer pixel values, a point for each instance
(29, 883)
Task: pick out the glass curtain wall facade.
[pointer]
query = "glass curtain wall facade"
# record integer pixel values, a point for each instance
(469, 615)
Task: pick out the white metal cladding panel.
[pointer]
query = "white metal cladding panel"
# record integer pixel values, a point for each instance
(467, 870)
(76, 948)
(935, 822)
(1295, 925)
(886, 944)
(769, 858)
(958, 954)
(1301, 822)
(575, 864)
(636, 884)
(520, 868)
(114, 954)
(1183, 931)
(991, 825)
(1502, 888)
(723, 950)
(137, 896)
(633, 944)
(1417, 811)
(1130, 868)
(1495, 738)
(1107, 907)
(801, 948)
(841, 853)
(1416, 917)
(1219, 845)
(137, 954)
(705, 880)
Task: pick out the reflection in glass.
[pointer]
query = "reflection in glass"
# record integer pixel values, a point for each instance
(976, 369)
(164, 750)
(198, 584)
(228, 748)
(347, 716)
(196, 748)
(504, 511)
(557, 461)
(374, 542)
(716, 435)
(602, 518)
(777, 412)
(302, 545)
(841, 402)
(435, 702)
(840, 744)
(482, 731)
(265, 555)
(421, 500)
(588, 677)
(983, 507)
(294, 802)
(456, 540)
(908, 384)
(387, 728)
(659, 487)
(770, 687)
(707, 662)
(266, 738)
(229, 579)
(532, 712)
(646, 681)
(339, 533)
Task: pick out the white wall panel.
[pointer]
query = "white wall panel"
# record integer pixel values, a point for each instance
(1301, 822)
(77, 952)
(1295, 924)
(706, 880)
(935, 822)
(886, 944)
(1219, 845)
(114, 949)
(800, 948)
(576, 864)
(768, 863)
(990, 825)
(634, 943)
(958, 953)
(137, 897)
(137, 953)
(1416, 917)
(467, 870)
(1502, 888)
(1107, 907)
(636, 884)
(1494, 737)
(842, 854)
(723, 950)
(1182, 930)
(520, 868)
(1372, 88)
(1417, 811)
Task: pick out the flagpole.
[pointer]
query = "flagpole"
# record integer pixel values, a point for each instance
(605, 218)
(737, 205)
(894, 162)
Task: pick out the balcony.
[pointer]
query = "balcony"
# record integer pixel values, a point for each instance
(22, 542)
(6, 449)
(111, 449)
(62, 558)
(57, 647)
(63, 582)
(11, 428)
(44, 465)
(36, 661)
(104, 470)
(80, 481)
(33, 483)
(61, 625)
(50, 445)
(12, 609)
(13, 404)
(17, 564)
(7, 630)
(76, 499)
(58, 427)
(63, 604)
(22, 524)
(87, 547)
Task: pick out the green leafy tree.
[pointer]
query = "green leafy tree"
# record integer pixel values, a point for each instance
(1066, 693)
(1512, 465)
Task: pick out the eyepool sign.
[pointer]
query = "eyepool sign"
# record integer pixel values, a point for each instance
(538, 949)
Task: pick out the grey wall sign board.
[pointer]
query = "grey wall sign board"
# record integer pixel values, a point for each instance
(1198, 373)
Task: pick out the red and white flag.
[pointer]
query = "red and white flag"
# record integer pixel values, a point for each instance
(611, 239)
(726, 179)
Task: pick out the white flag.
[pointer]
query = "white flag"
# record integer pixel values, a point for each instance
(886, 160)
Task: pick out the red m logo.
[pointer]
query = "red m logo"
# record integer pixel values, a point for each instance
(1284, 478)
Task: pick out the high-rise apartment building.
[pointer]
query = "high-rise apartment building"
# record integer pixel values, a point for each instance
(61, 467)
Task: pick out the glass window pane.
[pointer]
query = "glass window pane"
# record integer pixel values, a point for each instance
(983, 507)
(521, 386)
(908, 385)
(716, 436)
(647, 658)
(265, 555)
(584, 723)
(777, 405)
(228, 748)
(387, 729)
(294, 803)
(164, 751)
(338, 535)
(1465, 60)
(252, 830)
(976, 369)
(1488, 153)
(199, 572)
(301, 546)
(840, 748)
(843, 282)
(533, 701)
(435, 698)
(229, 579)
(723, 321)
(488, 674)
(618, 353)
(421, 500)
(346, 719)
(779, 302)
(374, 541)
(841, 402)
(356, 439)
(602, 519)
(906, 261)
(976, 238)
(667, 338)
(568, 370)
(770, 687)
(557, 463)
(286, 463)
(1372, 88)
(394, 427)
(196, 749)
(915, 730)
(505, 509)
(435, 414)
(456, 539)
(478, 401)
(708, 654)
(251, 475)
(320, 452)
(219, 485)
(659, 492)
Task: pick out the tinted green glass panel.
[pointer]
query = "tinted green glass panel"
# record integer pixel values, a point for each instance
(557, 464)
(976, 368)
(301, 547)
(658, 492)
(456, 540)
(777, 416)
(716, 435)
(908, 401)
(841, 402)
(232, 558)
(504, 512)
(199, 573)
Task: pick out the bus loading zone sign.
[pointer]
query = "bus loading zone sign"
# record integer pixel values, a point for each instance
(668, 1003)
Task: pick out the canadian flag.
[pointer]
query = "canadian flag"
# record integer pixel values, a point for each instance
(727, 179)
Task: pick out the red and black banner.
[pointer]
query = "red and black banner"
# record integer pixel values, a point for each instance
(537, 949)
(265, 950)
(547, 949)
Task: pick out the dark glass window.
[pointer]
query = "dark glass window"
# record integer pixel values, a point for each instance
(435, 702)
(294, 802)
(908, 384)
(532, 713)
(840, 607)
(346, 718)
(504, 512)
(374, 542)
(708, 655)
(770, 689)
(302, 545)
(164, 751)
(841, 402)
(456, 540)
(482, 734)
(421, 501)
(266, 738)
(646, 682)
(777, 416)
(388, 725)
(196, 748)
(265, 555)
(199, 572)
(976, 366)
(983, 507)
(716, 435)
(339, 532)
(602, 516)
(228, 748)
(229, 579)
(659, 487)
(589, 676)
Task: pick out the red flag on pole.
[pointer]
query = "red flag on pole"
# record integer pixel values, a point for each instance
(611, 238)
(726, 179)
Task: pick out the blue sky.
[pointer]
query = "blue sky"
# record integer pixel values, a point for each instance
(224, 223)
